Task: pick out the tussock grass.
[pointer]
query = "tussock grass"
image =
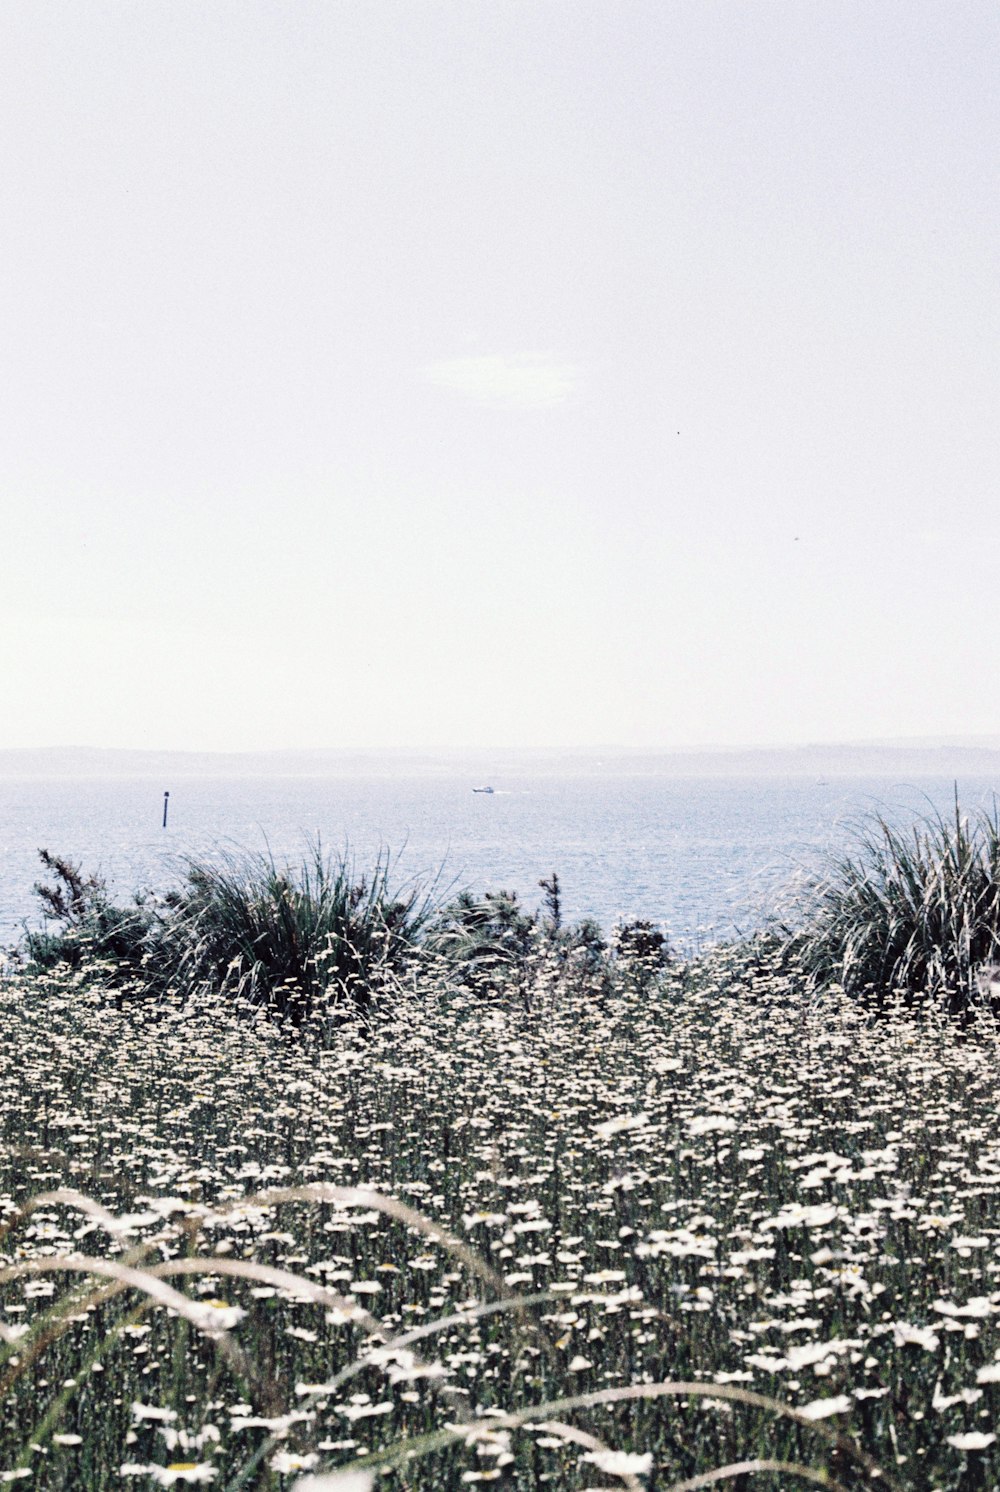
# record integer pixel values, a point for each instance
(295, 940)
(907, 915)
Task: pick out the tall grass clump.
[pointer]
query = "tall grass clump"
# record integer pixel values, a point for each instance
(911, 916)
(292, 939)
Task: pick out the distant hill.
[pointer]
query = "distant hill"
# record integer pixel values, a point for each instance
(902, 760)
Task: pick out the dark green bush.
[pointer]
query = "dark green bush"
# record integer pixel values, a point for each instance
(317, 939)
(291, 940)
(83, 924)
(641, 950)
(497, 947)
(487, 940)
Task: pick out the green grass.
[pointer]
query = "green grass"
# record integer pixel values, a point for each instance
(710, 1193)
(299, 941)
(907, 915)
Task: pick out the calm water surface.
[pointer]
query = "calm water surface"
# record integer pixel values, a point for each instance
(701, 856)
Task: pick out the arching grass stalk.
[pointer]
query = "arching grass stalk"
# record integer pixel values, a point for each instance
(66, 1196)
(757, 1468)
(573, 1435)
(55, 1411)
(151, 1281)
(23, 1351)
(204, 1318)
(214, 1324)
(264, 1273)
(438, 1440)
(385, 1352)
(284, 1279)
(52, 1324)
(320, 1191)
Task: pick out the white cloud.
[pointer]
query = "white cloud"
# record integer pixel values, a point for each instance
(524, 380)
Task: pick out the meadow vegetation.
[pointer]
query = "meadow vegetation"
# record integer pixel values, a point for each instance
(471, 1195)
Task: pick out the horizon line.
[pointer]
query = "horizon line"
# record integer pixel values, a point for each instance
(612, 749)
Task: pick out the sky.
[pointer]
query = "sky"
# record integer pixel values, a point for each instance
(535, 373)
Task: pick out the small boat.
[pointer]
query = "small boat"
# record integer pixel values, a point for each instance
(482, 790)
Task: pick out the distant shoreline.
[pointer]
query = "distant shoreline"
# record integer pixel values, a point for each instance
(811, 762)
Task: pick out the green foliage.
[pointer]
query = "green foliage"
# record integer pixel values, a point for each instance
(488, 941)
(307, 941)
(907, 916)
(84, 924)
(298, 941)
(498, 948)
(642, 951)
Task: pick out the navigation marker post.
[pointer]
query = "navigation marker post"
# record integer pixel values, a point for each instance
(166, 803)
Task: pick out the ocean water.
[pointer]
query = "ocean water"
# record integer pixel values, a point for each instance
(702, 857)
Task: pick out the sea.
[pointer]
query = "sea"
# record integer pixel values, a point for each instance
(702, 858)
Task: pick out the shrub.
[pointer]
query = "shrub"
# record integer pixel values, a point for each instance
(84, 924)
(291, 940)
(642, 951)
(907, 915)
(487, 940)
(499, 948)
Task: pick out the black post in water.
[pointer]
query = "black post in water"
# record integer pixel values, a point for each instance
(166, 802)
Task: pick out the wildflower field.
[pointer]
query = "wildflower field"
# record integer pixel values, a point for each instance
(592, 1235)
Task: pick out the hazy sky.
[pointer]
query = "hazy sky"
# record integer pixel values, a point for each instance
(529, 372)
